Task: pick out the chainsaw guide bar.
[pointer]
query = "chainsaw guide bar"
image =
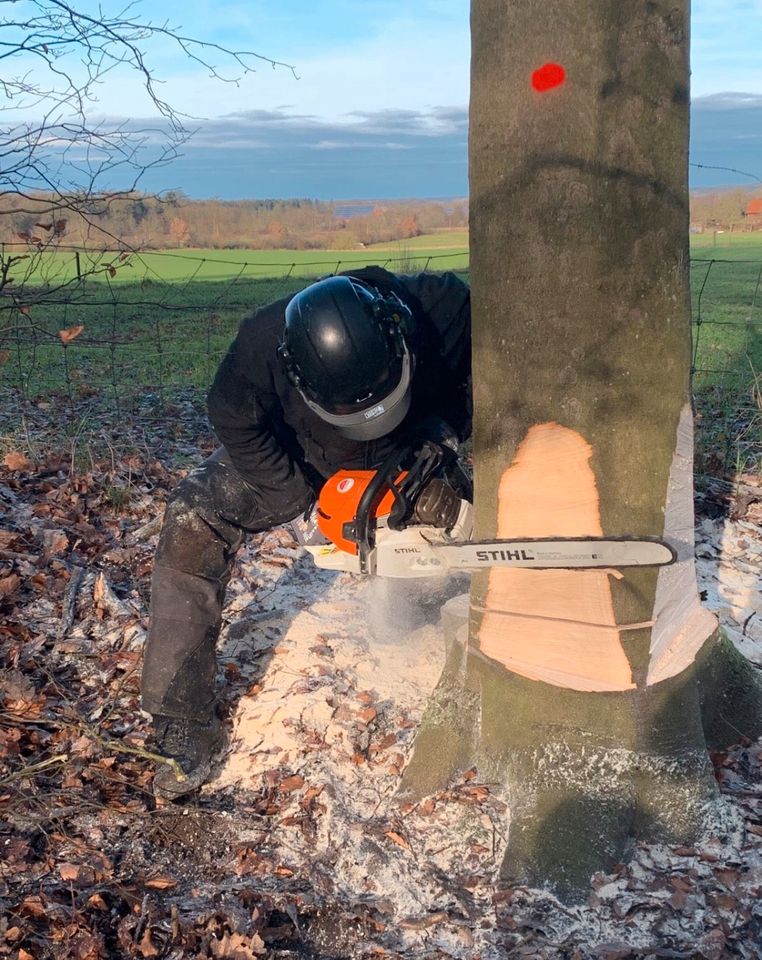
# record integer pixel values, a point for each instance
(365, 524)
(556, 553)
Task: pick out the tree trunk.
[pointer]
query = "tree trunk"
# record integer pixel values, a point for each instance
(577, 691)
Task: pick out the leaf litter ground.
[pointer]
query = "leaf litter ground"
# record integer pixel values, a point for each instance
(298, 847)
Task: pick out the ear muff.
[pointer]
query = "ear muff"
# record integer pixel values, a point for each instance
(287, 364)
(397, 317)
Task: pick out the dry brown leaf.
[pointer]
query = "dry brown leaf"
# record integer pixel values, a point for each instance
(427, 807)
(98, 903)
(23, 955)
(476, 794)
(5, 356)
(310, 795)
(470, 774)
(368, 715)
(15, 460)
(33, 906)
(292, 783)
(162, 881)
(236, 946)
(146, 946)
(9, 585)
(71, 333)
(69, 871)
(54, 542)
(396, 838)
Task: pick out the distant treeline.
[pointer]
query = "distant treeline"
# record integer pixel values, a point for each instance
(725, 209)
(175, 221)
(146, 222)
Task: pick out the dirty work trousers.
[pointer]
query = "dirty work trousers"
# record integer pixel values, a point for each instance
(207, 518)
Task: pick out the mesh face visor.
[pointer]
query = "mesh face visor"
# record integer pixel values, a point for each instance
(379, 415)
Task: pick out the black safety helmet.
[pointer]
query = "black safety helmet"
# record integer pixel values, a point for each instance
(346, 348)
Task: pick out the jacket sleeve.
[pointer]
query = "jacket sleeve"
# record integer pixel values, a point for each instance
(243, 408)
(446, 301)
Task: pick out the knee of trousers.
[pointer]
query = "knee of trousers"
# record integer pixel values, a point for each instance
(194, 538)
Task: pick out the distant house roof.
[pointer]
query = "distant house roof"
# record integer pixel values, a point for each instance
(754, 208)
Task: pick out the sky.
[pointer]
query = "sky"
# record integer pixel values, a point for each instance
(376, 104)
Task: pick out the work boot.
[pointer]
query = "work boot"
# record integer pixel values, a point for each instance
(194, 745)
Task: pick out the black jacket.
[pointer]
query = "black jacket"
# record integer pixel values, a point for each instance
(284, 450)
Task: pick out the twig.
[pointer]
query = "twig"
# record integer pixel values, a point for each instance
(115, 747)
(70, 602)
(34, 769)
(15, 555)
(145, 532)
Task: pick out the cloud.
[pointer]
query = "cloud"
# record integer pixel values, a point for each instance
(728, 101)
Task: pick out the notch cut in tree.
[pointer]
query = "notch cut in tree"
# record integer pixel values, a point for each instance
(589, 696)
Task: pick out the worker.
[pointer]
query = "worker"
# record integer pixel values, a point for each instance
(333, 377)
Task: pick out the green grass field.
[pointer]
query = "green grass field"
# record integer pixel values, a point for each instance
(164, 321)
(439, 251)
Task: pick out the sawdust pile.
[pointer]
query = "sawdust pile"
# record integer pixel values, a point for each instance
(298, 847)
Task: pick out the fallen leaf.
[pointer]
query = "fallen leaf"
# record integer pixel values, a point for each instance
(310, 795)
(237, 946)
(71, 333)
(711, 945)
(17, 461)
(5, 356)
(146, 946)
(33, 906)
(291, 783)
(162, 881)
(54, 542)
(69, 871)
(368, 715)
(396, 838)
(9, 585)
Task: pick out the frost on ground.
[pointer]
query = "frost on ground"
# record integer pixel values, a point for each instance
(298, 847)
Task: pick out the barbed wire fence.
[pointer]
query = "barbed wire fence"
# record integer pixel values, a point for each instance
(118, 340)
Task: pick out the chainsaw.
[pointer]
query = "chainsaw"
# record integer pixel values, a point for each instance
(363, 523)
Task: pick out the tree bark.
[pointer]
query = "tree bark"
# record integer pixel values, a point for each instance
(577, 692)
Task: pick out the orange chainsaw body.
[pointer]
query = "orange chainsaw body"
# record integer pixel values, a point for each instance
(339, 500)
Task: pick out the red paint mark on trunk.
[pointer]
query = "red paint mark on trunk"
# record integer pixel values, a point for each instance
(548, 76)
